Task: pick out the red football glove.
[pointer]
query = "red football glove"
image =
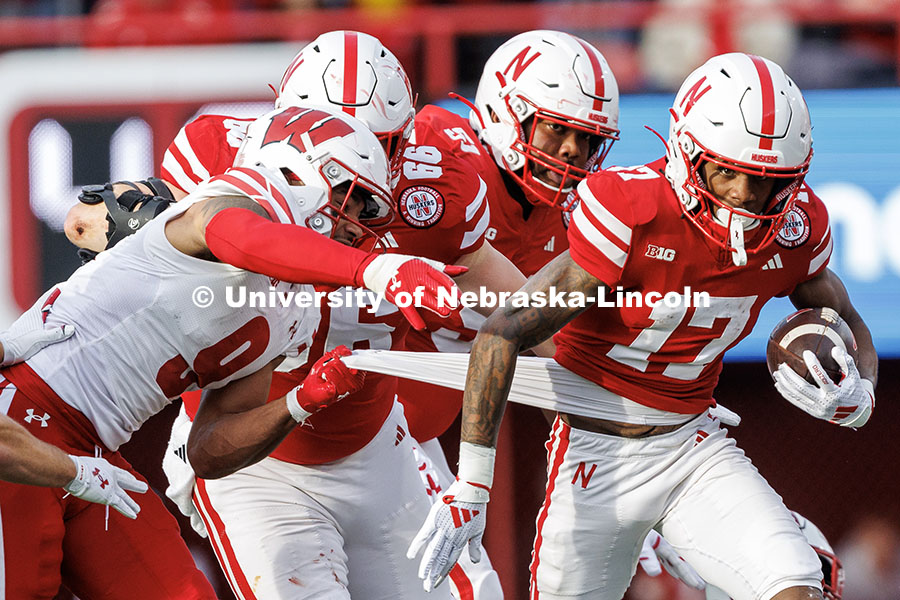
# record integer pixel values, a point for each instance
(328, 381)
(391, 274)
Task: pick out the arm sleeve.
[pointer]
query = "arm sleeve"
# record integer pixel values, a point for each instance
(248, 241)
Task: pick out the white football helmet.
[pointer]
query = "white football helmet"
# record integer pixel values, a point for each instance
(742, 112)
(353, 72)
(832, 571)
(553, 76)
(316, 150)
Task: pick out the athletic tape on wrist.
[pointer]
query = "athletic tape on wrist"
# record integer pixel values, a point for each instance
(476, 472)
(293, 405)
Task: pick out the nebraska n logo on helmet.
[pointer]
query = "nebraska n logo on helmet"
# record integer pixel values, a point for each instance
(551, 76)
(352, 72)
(313, 151)
(741, 112)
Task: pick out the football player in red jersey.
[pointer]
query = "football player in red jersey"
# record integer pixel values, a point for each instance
(546, 111)
(448, 184)
(727, 199)
(138, 324)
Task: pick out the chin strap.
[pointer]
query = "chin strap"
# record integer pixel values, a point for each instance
(735, 225)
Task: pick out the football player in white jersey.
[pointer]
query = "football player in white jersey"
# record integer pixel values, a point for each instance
(143, 336)
(728, 197)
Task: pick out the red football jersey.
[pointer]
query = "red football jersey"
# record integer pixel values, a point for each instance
(443, 212)
(204, 147)
(628, 231)
(529, 235)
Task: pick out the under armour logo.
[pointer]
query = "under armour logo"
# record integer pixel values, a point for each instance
(103, 482)
(395, 283)
(462, 516)
(33, 417)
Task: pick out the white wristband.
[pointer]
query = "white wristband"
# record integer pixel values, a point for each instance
(476, 472)
(293, 405)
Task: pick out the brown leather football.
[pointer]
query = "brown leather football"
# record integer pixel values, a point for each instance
(815, 329)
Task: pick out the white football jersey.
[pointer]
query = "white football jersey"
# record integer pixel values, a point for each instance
(141, 336)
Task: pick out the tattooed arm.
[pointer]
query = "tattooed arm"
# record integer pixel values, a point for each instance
(509, 331)
(492, 364)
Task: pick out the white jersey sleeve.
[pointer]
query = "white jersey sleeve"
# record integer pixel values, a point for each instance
(152, 323)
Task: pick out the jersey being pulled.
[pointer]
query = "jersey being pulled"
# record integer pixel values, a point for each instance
(144, 333)
(528, 235)
(628, 231)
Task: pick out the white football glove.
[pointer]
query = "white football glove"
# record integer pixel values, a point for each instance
(20, 346)
(658, 553)
(849, 403)
(451, 524)
(103, 483)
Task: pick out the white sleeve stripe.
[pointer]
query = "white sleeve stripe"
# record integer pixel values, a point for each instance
(600, 212)
(825, 236)
(184, 146)
(820, 258)
(256, 192)
(472, 236)
(475, 204)
(170, 164)
(283, 217)
(600, 241)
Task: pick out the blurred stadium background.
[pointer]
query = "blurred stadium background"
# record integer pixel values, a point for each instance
(94, 90)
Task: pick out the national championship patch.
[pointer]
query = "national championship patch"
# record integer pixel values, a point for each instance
(795, 228)
(421, 206)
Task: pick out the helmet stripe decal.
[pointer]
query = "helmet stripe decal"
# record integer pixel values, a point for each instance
(768, 102)
(599, 86)
(351, 57)
(298, 60)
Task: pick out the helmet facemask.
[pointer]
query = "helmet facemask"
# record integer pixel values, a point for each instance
(345, 191)
(724, 224)
(531, 161)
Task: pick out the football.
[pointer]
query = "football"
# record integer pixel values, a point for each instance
(815, 329)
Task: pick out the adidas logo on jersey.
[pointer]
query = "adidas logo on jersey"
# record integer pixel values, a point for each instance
(549, 245)
(389, 241)
(774, 263)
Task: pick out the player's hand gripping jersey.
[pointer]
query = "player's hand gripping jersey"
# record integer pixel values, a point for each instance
(444, 217)
(142, 337)
(628, 231)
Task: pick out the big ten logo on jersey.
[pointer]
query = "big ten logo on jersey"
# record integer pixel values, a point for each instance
(660, 253)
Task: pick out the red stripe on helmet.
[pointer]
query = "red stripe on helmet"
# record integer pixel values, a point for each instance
(599, 84)
(768, 102)
(290, 71)
(351, 54)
